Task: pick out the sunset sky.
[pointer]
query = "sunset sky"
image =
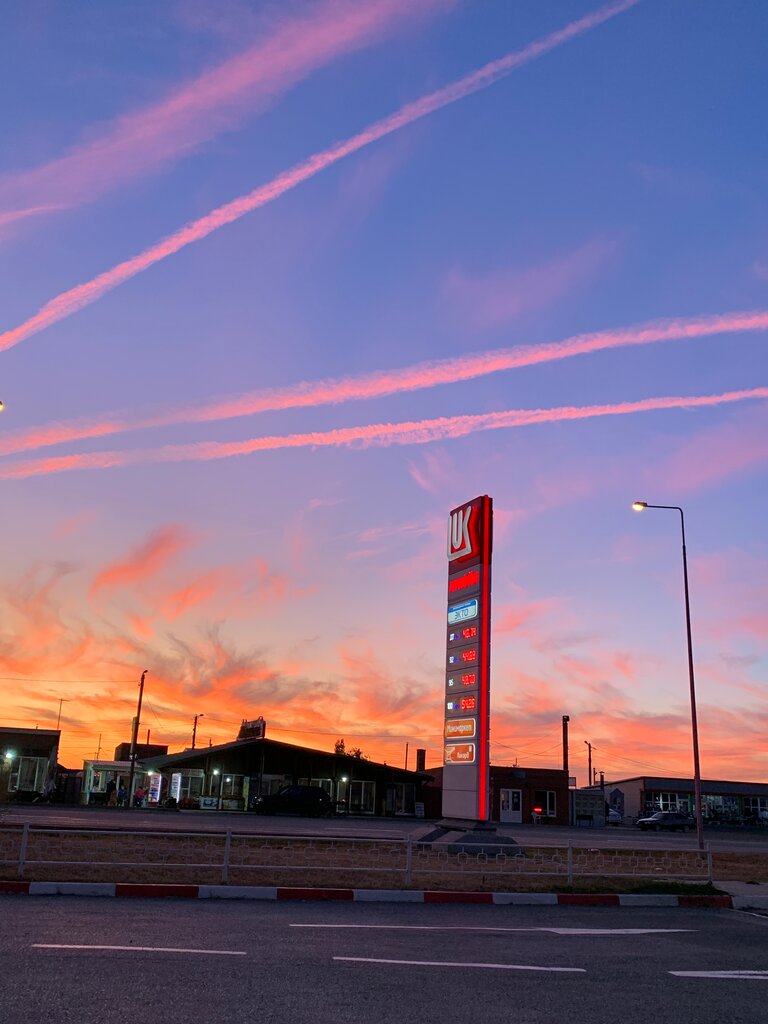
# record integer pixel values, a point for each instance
(284, 281)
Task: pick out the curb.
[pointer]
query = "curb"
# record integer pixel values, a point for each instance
(255, 892)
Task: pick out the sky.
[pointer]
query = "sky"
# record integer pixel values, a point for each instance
(282, 282)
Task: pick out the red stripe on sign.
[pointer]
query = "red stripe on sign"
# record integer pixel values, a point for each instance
(22, 887)
(314, 894)
(484, 691)
(705, 901)
(458, 897)
(139, 889)
(595, 899)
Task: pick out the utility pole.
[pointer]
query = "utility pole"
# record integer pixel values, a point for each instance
(62, 700)
(406, 757)
(134, 737)
(566, 720)
(194, 729)
(98, 750)
(590, 776)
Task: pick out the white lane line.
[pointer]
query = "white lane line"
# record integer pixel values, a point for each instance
(459, 963)
(141, 949)
(741, 975)
(490, 928)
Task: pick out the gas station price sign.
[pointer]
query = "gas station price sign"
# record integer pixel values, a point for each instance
(467, 661)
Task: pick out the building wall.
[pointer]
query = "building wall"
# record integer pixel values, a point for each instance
(532, 782)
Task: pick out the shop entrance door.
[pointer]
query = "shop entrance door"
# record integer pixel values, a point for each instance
(511, 805)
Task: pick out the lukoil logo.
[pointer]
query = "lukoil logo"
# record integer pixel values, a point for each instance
(459, 543)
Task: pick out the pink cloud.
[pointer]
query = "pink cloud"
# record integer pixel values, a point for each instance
(82, 295)
(498, 297)
(155, 136)
(308, 394)
(377, 434)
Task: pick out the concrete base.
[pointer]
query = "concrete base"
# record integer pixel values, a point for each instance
(466, 825)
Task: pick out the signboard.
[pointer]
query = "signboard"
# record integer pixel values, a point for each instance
(176, 786)
(467, 661)
(460, 727)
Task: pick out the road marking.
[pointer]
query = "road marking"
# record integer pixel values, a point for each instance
(459, 963)
(142, 949)
(491, 928)
(742, 975)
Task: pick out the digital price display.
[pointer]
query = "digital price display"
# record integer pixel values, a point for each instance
(466, 773)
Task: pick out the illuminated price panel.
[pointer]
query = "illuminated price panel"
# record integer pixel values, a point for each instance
(467, 661)
(460, 682)
(461, 704)
(462, 657)
(462, 635)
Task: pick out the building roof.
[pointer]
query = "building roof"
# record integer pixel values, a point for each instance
(189, 755)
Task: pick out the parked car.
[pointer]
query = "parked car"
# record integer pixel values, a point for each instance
(613, 818)
(668, 820)
(311, 801)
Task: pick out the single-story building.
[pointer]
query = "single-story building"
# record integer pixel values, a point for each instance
(230, 776)
(722, 802)
(28, 759)
(517, 795)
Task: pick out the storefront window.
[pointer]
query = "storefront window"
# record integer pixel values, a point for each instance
(546, 799)
(30, 774)
(756, 807)
(326, 784)
(362, 797)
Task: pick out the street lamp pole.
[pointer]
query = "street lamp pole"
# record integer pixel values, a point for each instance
(638, 506)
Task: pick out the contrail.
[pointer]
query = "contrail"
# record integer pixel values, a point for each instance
(76, 298)
(376, 434)
(388, 382)
(155, 136)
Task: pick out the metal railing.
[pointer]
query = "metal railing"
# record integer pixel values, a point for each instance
(405, 858)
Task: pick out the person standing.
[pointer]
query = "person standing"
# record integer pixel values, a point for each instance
(111, 792)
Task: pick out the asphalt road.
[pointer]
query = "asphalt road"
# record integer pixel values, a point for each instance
(526, 835)
(174, 962)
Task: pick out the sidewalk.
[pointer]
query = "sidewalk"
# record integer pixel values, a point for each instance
(746, 895)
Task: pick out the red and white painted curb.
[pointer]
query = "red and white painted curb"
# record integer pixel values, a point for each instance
(255, 892)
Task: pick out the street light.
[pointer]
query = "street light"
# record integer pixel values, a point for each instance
(640, 506)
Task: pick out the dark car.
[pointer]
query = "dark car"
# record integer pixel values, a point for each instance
(311, 801)
(669, 820)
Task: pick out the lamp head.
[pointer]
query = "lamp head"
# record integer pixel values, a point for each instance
(638, 506)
